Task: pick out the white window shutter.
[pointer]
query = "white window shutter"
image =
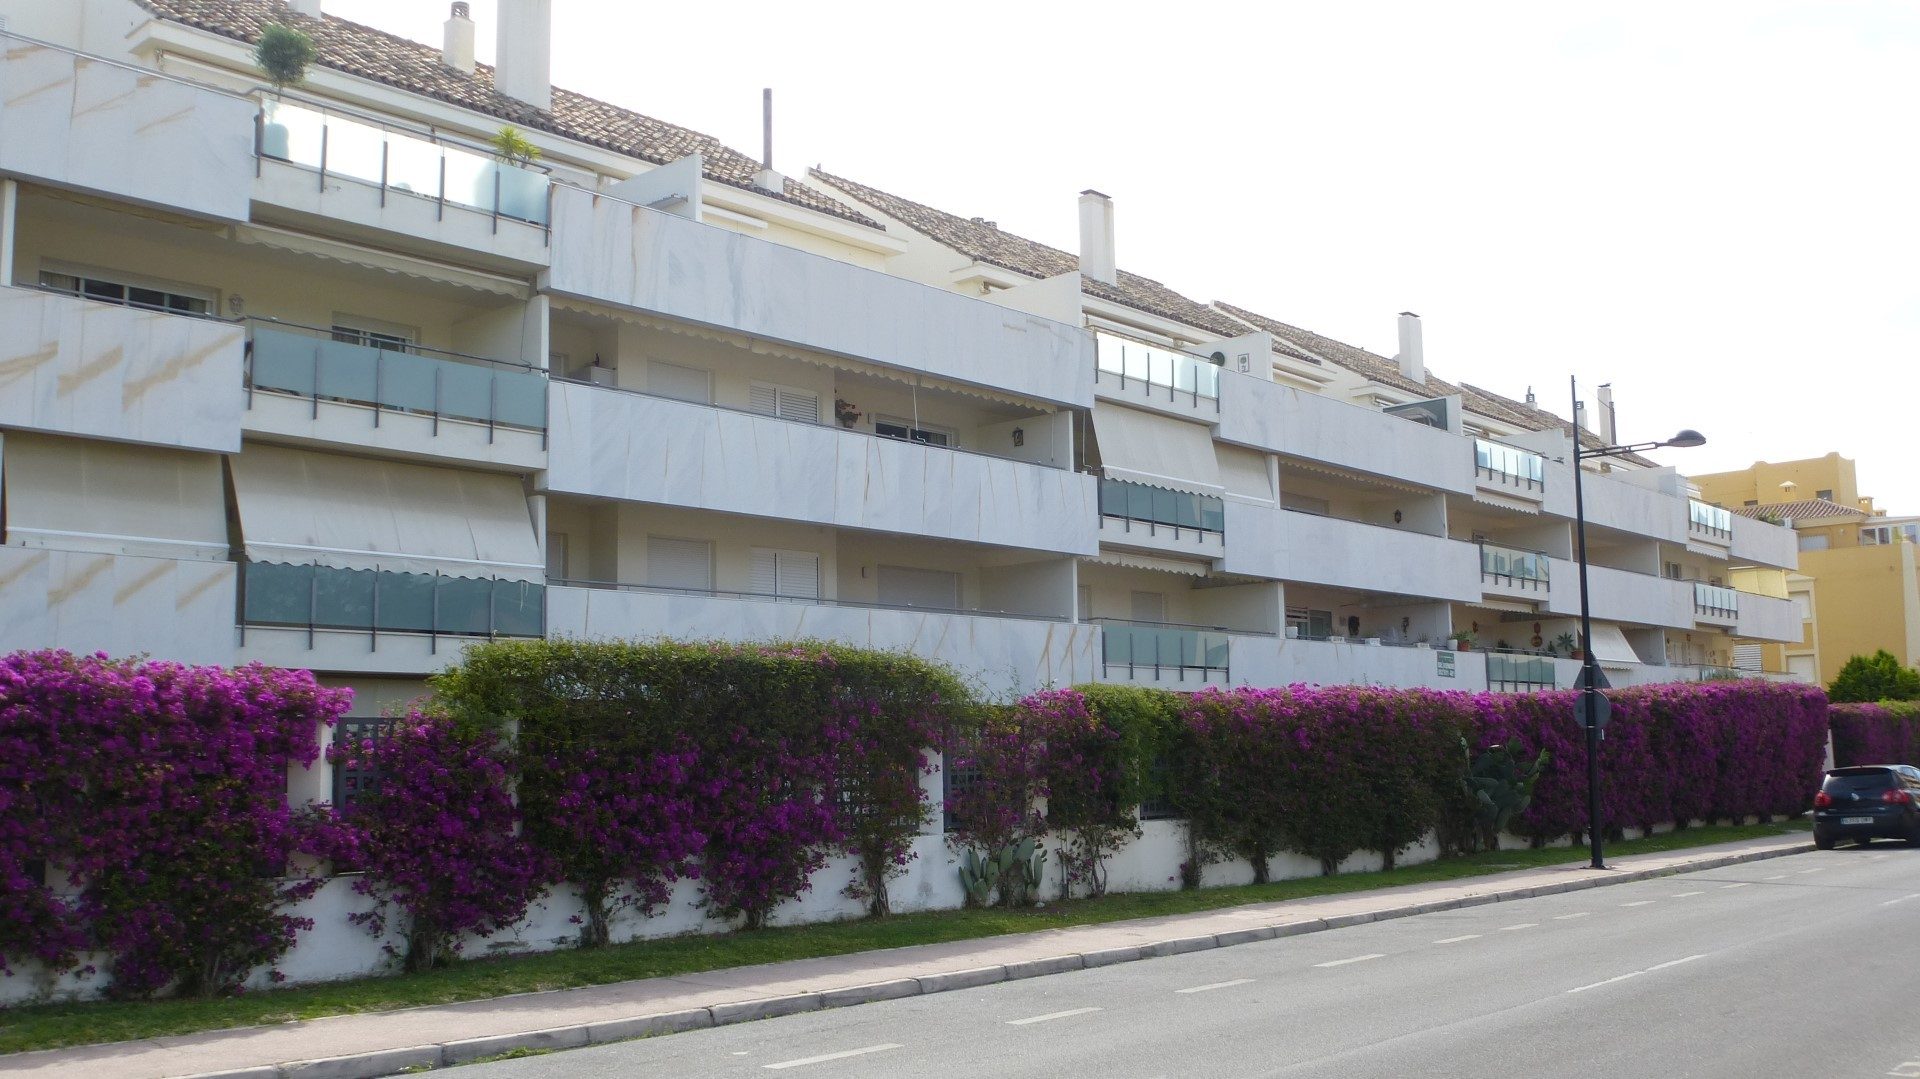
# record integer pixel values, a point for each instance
(678, 563)
(795, 405)
(680, 383)
(765, 576)
(907, 586)
(800, 575)
(763, 399)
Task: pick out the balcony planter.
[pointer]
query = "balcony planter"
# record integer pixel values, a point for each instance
(507, 185)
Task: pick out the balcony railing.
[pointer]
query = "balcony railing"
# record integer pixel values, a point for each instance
(1163, 651)
(412, 163)
(1134, 363)
(1715, 601)
(1709, 520)
(1160, 509)
(1509, 465)
(1509, 672)
(384, 601)
(1514, 568)
(308, 362)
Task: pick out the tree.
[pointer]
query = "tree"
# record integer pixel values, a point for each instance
(283, 55)
(1878, 677)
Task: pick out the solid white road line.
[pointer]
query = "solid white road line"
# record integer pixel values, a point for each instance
(1049, 1016)
(1570, 917)
(1609, 981)
(1637, 973)
(824, 1057)
(1742, 884)
(1456, 940)
(1902, 899)
(1675, 962)
(1522, 925)
(1684, 895)
(1640, 903)
(1355, 959)
(1215, 985)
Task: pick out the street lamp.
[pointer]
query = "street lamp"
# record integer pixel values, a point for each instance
(1590, 667)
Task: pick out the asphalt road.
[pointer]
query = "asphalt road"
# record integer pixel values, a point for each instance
(1799, 966)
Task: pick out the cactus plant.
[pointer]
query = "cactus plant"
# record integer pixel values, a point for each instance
(1014, 870)
(1501, 788)
(976, 879)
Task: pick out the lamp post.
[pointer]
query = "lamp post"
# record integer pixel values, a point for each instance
(1590, 667)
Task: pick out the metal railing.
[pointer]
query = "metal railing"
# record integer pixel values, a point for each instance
(1151, 368)
(1509, 465)
(307, 361)
(1159, 508)
(314, 598)
(1709, 520)
(1715, 600)
(816, 601)
(1164, 650)
(424, 164)
(1514, 568)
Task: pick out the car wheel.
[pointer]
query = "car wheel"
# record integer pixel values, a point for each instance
(1823, 842)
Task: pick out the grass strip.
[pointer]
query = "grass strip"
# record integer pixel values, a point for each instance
(52, 1026)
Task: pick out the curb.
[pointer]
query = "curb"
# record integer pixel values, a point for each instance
(447, 1054)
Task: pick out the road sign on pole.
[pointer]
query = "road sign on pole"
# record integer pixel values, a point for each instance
(1592, 709)
(1599, 679)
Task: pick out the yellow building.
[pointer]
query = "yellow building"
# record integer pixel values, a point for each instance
(1864, 569)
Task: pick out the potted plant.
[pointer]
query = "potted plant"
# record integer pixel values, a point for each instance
(1563, 646)
(283, 54)
(1462, 640)
(508, 185)
(846, 413)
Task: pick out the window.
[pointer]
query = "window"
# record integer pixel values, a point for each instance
(1751, 502)
(1825, 494)
(907, 586)
(785, 574)
(556, 556)
(1149, 607)
(1086, 602)
(680, 383)
(1670, 570)
(784, 402)
(1310, 625)
(680, 563)
(1813, 543)
(888, 427)
(1802, 606)
(1305, 504)
(354, 771)
(119, 292)
(352, 330)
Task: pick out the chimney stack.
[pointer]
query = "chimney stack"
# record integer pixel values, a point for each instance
(1603, 423)
(457, 53)
(767, 179)
(309, 8)
(1412, 358)
(523, 53)
(1096, 237)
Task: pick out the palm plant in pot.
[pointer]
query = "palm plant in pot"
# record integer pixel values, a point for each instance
(283, 55)
(508, 185)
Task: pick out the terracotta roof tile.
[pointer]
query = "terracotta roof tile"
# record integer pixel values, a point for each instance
(1806, 509)
(983, 241)
(411, 66)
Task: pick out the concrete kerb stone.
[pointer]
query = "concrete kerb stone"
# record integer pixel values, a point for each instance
(269, 1071)
(646, 1026)
(1177, 946)
(961, 979)
(1035, 968)
(364, 1065)
(1341, 921)
(1294, 929)
(869, 993)
(1243, 936)
(1107, 957)
(474, 1048)
(746, 1011)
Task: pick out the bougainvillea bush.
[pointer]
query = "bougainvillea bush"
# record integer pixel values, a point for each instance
(1884, 733)
(746, 766)
(156, 794)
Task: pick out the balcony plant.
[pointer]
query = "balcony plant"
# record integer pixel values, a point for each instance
(1564, 645)
(846, 413)
(283, 55)
(1462, 640)
(508, 184)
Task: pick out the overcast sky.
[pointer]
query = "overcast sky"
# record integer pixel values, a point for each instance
(1709, 205)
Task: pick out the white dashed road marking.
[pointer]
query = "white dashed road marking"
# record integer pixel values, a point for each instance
(1609, 981)
(1902, 899)
(1522, 925)
(1456, 940)
(1640, 903)
(1635, 973)
(1215, 985)
(824, 1057)
(1570, 917)
(1050, 1016)
(1684, 895)
(1776, 876)
(1742, 884)
(1355, 959)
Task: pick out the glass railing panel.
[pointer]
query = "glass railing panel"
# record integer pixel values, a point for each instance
(284, 362)
(520, 399)
(1160, 505)
(278, 594)
(1710, 518)
(406, 602)
(519, 609)
(1716, 598)
(1509, 562)
(325, 597)
(1175, 370)
(307, 364)
(466, 391)
(1163, 647)
(292, 133)
(413, 165)
(407, 381)
(349, 372)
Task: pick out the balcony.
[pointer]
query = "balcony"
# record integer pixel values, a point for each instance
(324, 163)
(1164, 655)
(1148, 376)
(1709, 524)
(178, 609)
(1620, 504)
(1517, 672)
(91, 124)
(1715, 604)
(1509, 470)
(1641, 599)
(303, 383)
(615, 252)
(1760, 543)
(1768, 618)
(76, 366)
(1376, 558)
(1509, 571)
(634, 447)
(1161, 520)
(1313, 427)
(988, 645)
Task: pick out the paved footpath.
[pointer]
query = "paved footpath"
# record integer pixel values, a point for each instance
(372, 1044)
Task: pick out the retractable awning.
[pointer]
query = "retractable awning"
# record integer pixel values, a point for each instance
(307, 508)
(85, 494)
(1160, 450)
(1610, 647)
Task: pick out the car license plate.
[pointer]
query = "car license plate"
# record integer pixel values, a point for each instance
(1856, 820)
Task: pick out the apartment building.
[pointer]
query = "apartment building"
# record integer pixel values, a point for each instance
(313, 378)
(1860, 566)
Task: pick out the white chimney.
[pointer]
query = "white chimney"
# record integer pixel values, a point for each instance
(309, 8)
(1412, 358)
(1603, 423)
(523, 52)
(1096, 236)
(457, 53)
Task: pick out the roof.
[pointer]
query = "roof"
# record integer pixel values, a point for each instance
(1806, 509)
(1539, 419)
(411, 66)
(1358, 360)
(983, 241)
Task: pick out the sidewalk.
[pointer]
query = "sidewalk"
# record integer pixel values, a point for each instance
(356, 1046)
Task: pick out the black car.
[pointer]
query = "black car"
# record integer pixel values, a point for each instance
(1868, 802)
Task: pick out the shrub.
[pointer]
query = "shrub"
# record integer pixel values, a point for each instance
(1884, 733)
(284, 54)
(1878, 677)
(995, 779)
